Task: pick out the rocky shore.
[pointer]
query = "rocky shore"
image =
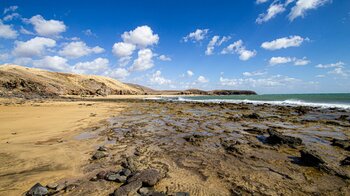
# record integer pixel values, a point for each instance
(172, 148)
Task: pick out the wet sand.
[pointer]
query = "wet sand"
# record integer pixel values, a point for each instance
(201, 149)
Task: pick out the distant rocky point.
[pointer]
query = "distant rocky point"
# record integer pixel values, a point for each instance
(18, 81)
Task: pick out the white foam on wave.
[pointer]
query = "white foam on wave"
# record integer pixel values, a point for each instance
(289, 102)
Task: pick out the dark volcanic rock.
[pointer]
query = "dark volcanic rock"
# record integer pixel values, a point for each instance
(129, 164)
(277, 138)
(37, 190)
(102, 175)
(182, 194)
(255, 130)
(148, 177)
(129, 188)
(345, 144)
(346, 161)
(310, 158)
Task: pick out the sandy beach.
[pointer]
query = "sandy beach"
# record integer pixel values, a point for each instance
(196, 148)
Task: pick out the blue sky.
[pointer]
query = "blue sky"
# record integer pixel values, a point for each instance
(270, 46)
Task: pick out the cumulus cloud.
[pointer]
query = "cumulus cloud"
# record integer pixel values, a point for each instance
(7, 32)
(79, 49)
(261, 1)
(338, 68)
(96, 66)
(189, 73)
(272, 11)
(53, 63)
(164, 58)
(157, 78)
(302, 6)
(196, 36)
(215, 41)
(141, 36)
(202, 79)
(11, 16)
(25, 31)
(88, 32)
(238, 48)
(10, 9)
(284, 42)
(119, 73)
(33, 47)
(284, 60)
(144, 60)
(47, 27)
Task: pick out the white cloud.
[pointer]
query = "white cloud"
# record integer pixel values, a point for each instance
(339, 71)
(251, 74)
(96, 66)
(279, 60)
(164, 58)
(88, 32)
(25, 31)
(302, 6)
(157, 78)
(284, 60)
(331, 65)
(215, 41)
(119, 73)
(4, 57)
(271, 81)
(238, 48)
(144, 60)
(79, 49)
(24, 61)
(53, 63)
(33, 47)
(189, 73)
(47, 27)
(10, 9)
(273, 10)
(202, 79)
(301, 62)
(122, 49)
(261, 1)
(196, 36)
(141, 36)
(320, 76)
(211, 45)
(284, 42)
(7, 32)
(11, 16)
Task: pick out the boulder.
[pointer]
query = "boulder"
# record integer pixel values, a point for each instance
(311, 158)
(148, 177)
(130, 188)
(37, 190)
(277, 138)
(99, 155)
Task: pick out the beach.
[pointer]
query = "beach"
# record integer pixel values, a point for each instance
(195, 148)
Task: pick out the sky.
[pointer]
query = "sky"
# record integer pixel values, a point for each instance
(269, 46)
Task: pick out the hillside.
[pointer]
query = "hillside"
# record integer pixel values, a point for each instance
(21, 81)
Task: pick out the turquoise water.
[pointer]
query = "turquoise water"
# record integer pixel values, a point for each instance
(341, 100)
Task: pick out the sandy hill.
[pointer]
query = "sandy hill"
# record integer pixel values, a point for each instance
(30, 82)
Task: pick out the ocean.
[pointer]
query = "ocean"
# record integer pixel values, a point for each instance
(334, 100)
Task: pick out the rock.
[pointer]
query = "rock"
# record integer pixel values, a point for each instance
(125, 172)
(156, 194)
(61, 187)
(99, 155)
(102, 148)
(345, 162)
(144, 190)
(311, 158)
(37, 190)
(129, 163)
(70, 187)
(345, 144)
(52, 185)
(112, 176)
(194, 139)
(255, 130)
(121, 179)
(148, 177)
(277, 138)
(129, 188)
(182, 194)
(102, 175)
